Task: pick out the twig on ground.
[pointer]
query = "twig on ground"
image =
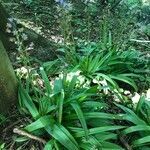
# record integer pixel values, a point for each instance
(10, 126)
(24, 133)
(140, 41)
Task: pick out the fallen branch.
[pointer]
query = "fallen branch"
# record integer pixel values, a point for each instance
(140, 41)
(33, 137)
(11, 126)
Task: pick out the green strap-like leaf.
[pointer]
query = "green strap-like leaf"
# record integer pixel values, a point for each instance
(98, 130)
(49, 145)
(57, 131)
(72, 83)
(46, 80)
(131, 116)
(40, 123)
(136, 129)
(81, 117)
(57, 86)
(60, 101)
(110, 146)
(125, 79)
(63, 136)
(27, 102)
(142, 141)
(94, 115)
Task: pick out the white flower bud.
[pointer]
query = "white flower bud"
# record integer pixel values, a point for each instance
(136, 98)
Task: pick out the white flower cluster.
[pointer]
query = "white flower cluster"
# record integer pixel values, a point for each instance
(18, 35)
(70, 75)
(148, 95)
(66, 5)
(23, 72)
(9, 25)
(137, 96)
(135, 99)
(81, 80)
(102, 83)
(89, 1)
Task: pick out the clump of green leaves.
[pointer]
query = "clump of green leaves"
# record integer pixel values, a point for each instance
(65, 112)
(138, 129)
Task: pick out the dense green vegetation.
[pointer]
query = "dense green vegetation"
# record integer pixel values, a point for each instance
(83, 69)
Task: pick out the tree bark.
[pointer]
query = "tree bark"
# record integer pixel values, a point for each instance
(8, 81)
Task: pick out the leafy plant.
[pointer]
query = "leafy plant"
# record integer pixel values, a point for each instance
(65, 114)
(111, 65)
(140, 124)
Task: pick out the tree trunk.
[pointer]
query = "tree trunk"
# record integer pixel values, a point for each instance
(8, 81)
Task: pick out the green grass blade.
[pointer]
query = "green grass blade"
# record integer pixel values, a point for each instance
(60, 101)
(106, 136)
(110, 146)
(58, 86)
(107, 78)
(131, 116)
(94, 104)
(57, 131)
(103, 115)
(100, 115)
(140, 104)
(136, 129)
(81, 117)
(124, 79)
(49, 145)
(63, 136)
(27, 102)
(98, 130)
(72, 83)
(142, 141)
(46, 80)
(40, 123)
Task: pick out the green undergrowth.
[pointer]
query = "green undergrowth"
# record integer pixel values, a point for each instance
(88, 99)
(95, 95)
(74, 111)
